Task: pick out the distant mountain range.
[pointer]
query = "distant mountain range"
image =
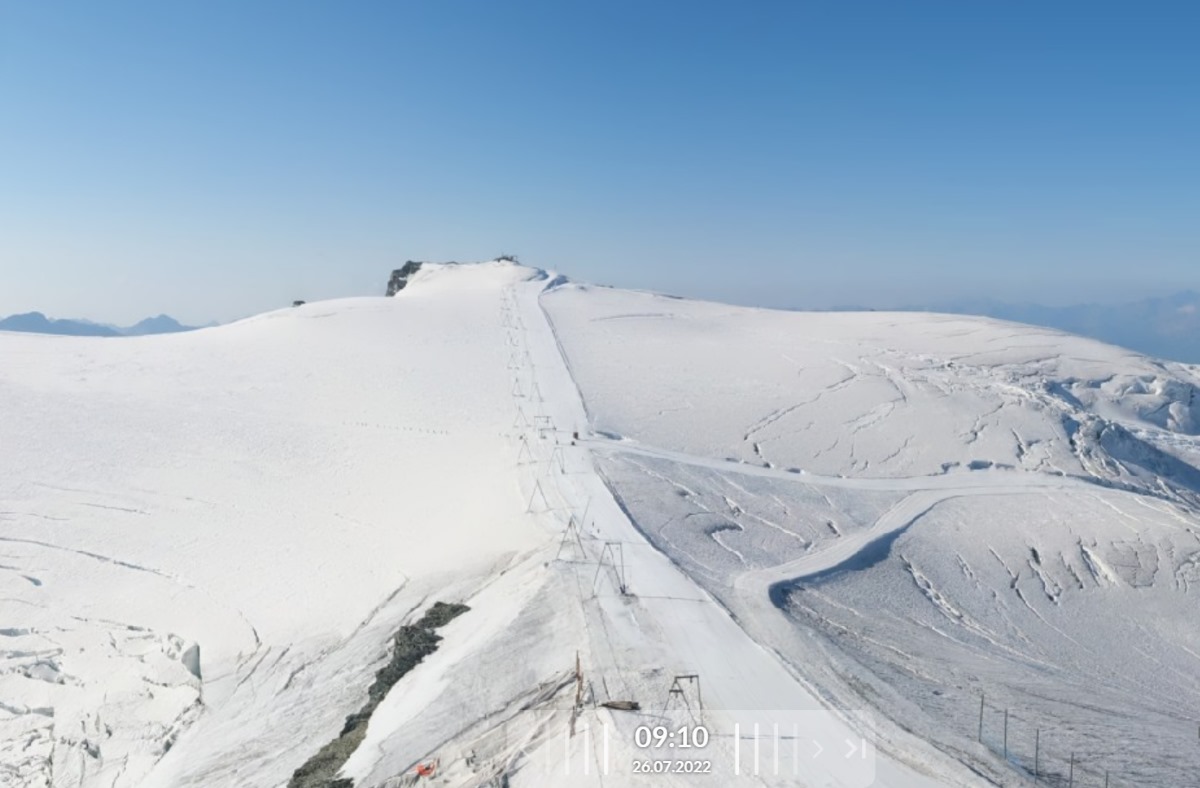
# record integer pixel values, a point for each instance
(1166, 327)
(37, 323)
(1163, 327)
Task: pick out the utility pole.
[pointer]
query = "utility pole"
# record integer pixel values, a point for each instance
(677, 692)
(537, 490)
(572, 530)
(615, 552)
(557, 454)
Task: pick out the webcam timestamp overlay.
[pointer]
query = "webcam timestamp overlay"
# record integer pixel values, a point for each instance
(710, 747)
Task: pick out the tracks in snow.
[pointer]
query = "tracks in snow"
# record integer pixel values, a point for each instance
(694, 636)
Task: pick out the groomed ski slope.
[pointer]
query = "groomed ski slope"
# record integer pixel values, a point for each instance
(631, 644)
(696, 634)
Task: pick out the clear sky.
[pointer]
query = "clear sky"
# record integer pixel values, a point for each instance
(214, 159)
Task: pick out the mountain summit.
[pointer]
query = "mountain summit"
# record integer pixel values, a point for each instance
(163, 324)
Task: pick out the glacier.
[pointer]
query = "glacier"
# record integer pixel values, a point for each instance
(208, 540)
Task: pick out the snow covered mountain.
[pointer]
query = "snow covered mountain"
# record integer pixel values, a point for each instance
(820, 537)
(37, 323)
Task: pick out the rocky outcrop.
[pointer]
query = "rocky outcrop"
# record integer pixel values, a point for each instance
(400, 277)
(410, 645)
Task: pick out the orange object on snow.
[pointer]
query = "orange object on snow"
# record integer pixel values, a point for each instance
(426, 769)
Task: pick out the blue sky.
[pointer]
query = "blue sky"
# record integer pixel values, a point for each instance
(215, 159)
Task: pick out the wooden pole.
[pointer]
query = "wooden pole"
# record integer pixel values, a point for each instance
(1037, 751)
(981, 718)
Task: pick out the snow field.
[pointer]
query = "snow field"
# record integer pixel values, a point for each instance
(282, 491)
(815, 514)
(1062, 590)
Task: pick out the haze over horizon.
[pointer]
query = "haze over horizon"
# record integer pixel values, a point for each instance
(216, 161)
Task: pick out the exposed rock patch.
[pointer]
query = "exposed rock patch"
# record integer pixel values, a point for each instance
(400, 277)
(410, 645)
